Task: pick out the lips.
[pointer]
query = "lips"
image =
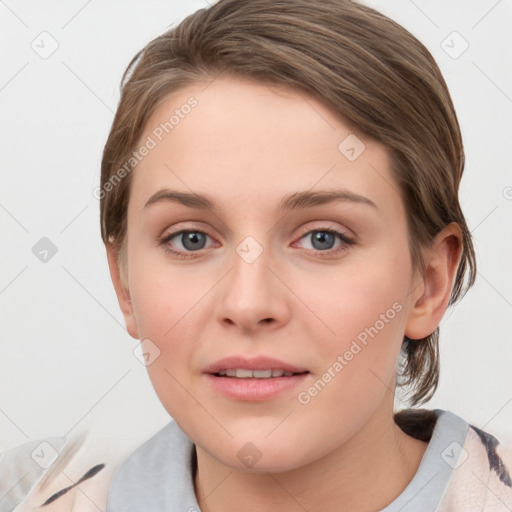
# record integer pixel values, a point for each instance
(259, 368)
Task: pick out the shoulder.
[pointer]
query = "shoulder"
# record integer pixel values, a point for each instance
(63, 473)
(495, 475)
(470, 466)
(481, 478)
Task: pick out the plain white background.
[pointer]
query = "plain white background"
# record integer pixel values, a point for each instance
(66, 358)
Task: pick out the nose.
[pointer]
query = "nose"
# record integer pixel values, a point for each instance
(253, 296)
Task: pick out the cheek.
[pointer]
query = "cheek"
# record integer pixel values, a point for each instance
(164, 295)
(165, 309)
(365, 308)
(363, 293)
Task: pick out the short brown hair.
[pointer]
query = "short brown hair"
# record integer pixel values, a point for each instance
(363, 66)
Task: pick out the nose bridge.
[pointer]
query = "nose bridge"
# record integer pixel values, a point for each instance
(251, 294)
(250, 277)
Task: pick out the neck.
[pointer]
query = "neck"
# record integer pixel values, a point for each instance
(365, 474)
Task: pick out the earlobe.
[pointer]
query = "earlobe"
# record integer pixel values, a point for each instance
(122, 291)
(431, 297)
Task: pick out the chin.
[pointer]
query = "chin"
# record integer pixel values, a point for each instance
(261, 455)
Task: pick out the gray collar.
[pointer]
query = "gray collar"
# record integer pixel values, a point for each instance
(426, 489)
(158, 476)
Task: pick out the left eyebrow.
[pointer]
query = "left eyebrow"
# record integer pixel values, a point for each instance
(308, 198)
(295, 201)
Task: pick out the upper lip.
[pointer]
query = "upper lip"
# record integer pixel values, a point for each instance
(256, 363)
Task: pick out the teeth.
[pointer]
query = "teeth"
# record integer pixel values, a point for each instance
(261, 374)
(243, 373)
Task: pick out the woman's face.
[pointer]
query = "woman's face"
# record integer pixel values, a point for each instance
(298, 262)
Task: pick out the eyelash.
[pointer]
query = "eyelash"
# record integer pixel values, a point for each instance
(346, 241)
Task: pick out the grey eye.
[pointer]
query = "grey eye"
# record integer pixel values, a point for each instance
(192, 240)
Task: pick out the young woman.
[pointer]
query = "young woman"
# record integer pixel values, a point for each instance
(279, 205)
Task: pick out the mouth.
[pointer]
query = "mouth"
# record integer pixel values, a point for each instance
(253, 379)
(243, 384)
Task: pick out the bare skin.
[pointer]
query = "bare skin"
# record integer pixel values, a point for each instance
(246, 146)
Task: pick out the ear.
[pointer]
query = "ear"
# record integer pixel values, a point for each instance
(430, 298)
(122, 291)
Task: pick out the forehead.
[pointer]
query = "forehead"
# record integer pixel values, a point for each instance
(239, 139)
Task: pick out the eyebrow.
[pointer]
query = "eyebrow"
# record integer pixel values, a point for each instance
(295, 201)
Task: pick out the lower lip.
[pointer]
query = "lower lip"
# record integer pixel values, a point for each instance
(253, 388)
